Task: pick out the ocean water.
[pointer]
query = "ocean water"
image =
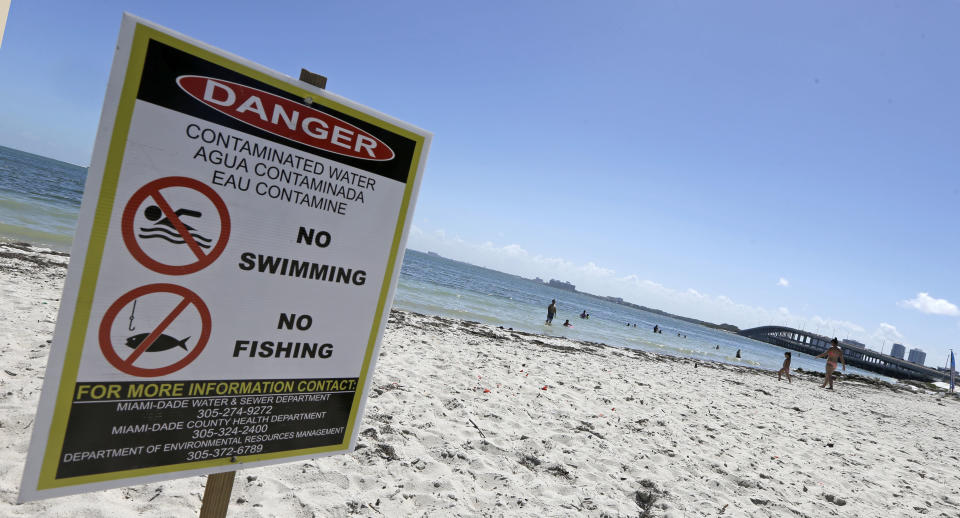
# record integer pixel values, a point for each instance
(40, 201)
(39, 198)
(434, 285)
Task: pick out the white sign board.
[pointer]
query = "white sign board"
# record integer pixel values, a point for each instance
(238, 246)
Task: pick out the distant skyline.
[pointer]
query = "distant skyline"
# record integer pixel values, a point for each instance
(745, 162)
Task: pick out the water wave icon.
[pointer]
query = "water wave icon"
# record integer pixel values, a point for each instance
(159, 232)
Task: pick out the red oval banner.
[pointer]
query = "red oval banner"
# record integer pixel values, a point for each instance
(285, 118)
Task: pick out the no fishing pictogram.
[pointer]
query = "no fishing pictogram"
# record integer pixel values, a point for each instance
(156, 340)
(168, 228)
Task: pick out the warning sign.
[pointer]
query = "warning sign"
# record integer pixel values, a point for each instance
(180, 240)
(234, 264)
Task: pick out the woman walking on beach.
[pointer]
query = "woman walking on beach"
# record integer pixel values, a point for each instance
(832, 354)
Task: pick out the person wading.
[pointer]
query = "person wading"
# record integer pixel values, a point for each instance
(551, 311)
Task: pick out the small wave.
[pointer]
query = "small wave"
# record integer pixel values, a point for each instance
(175, 235)
(165, 238)
(57, 241)
(15, 204)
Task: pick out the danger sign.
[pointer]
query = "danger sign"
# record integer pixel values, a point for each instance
(234, 264)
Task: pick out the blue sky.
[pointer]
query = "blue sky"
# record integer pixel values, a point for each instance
(742, 162)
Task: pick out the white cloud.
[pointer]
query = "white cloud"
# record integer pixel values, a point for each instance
(597, 271)
(889, 329)
(597, 279)
(924, 303)
(515, 250)
(886, 334)
(834, 327)
(882, 337)
(783, 282)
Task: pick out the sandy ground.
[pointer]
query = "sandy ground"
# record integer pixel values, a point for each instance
(469, 420)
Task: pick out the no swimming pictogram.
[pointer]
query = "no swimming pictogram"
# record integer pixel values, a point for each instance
(175, 241)
(169, 307)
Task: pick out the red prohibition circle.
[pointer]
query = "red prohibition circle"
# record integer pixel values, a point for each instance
(152, 189)
(126, 365)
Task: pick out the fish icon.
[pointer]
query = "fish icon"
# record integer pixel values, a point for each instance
(162, 343)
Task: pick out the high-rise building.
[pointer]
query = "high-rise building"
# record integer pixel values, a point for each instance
(562, 285)
(897, 351)
(917, 356)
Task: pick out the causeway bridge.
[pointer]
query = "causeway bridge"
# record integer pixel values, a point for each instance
(866, 359)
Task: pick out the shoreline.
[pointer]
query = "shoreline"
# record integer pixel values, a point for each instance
(40, 248)
(466, 419)
(54, 242)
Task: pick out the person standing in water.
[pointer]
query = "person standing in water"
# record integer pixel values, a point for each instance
(551, 311)
(832, 354)
(785, 370)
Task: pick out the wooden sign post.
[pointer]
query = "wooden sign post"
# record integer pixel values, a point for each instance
(216, 496)
(314, 79)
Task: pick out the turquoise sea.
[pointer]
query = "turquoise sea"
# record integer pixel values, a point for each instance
(40, 200)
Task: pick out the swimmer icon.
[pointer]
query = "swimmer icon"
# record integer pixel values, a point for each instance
(149, 218)
(166, 230)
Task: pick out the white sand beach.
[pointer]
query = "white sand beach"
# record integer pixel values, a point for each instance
(465, 419)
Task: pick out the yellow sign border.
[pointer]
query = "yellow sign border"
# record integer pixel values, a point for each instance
(118, 140)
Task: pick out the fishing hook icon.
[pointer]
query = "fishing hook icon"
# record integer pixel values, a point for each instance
(131, 327)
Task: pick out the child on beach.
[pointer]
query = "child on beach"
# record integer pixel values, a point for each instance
(785, 370)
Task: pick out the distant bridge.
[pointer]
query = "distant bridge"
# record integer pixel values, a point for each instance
(866, 359)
